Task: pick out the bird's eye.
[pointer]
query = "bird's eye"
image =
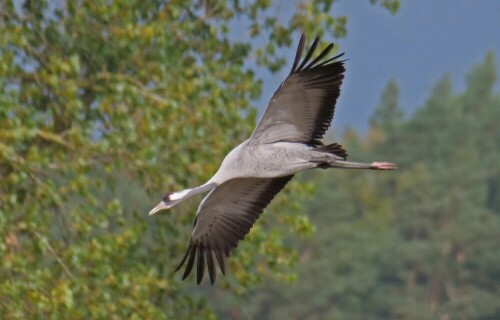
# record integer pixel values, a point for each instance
(166, 198)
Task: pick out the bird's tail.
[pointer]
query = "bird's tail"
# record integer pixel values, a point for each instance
(333, 148)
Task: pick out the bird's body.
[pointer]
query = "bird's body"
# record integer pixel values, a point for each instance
(284, 142)
(270, 160)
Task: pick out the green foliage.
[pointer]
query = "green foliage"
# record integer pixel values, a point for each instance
(391, 5)
(417, 243)
(388, 114)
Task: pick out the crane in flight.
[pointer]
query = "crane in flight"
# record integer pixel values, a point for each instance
(285, 141)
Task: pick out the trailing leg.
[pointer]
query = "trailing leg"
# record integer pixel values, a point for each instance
(361, 165)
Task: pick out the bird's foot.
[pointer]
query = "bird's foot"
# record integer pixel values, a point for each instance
(383, 166)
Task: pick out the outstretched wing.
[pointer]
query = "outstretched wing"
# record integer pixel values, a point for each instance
(224, 217)
(302, 108)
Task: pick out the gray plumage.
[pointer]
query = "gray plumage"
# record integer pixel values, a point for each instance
(285, 141)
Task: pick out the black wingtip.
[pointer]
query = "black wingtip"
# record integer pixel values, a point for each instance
(197, 254)
(323, 54)
(309, 54)
(306, 63)
(184, 258)
(298, 55)
(212, 272)
(190, 263)
(333, 59)
(221, 259)
(200, 259)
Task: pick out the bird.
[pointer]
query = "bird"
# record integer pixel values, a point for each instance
(286, 140)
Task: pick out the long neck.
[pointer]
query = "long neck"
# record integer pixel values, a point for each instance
(201, 189)
(188, 193)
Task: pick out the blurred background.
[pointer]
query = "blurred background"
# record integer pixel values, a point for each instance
(107, 105)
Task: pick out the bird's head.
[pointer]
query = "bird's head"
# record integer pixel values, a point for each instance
(169, 200)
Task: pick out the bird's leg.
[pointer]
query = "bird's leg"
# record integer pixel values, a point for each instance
(360, 165)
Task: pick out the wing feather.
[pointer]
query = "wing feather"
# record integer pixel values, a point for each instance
(221, 259)
(224, 218)
(298, 55)
(200, 270)
(190, 262)
(309, 54)
(302, 108)
(321, 56)
(212, 272)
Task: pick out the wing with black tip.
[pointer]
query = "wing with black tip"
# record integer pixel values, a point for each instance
(224, 217)
(302, 108)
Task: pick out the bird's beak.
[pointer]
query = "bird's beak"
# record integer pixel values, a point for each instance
(161, 206)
